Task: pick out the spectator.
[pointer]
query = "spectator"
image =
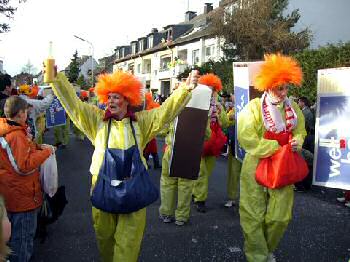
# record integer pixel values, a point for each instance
(5, 91)
(20, 184)
(5, 232)
(304, 105)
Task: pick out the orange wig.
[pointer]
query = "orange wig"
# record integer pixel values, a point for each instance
(276, 71)
(122, 83)
(212, 81)
(150, 104)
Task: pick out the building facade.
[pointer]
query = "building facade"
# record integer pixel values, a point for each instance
(158, 58)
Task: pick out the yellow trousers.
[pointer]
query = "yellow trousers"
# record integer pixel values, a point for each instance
(119, 236)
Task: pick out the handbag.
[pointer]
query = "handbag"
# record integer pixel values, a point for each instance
(283, 168)
(123, 185)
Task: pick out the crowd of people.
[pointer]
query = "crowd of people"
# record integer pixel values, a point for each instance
(124, 140)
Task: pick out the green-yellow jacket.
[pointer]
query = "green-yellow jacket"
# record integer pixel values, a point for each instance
(89, 119)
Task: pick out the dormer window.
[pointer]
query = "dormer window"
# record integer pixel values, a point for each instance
(123, 52)
(170, 35)
(133, 48)
(141, 45)
(150, 41)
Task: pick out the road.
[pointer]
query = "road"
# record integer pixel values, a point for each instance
(319, 231)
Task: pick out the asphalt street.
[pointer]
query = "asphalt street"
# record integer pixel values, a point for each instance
(319, 231)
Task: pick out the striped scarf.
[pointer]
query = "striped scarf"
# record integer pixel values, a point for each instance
(272, 117)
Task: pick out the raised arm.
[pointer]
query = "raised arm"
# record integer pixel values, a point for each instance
(153, 121)
(85, 116)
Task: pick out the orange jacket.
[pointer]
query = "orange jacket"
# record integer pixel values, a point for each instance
(21, 188)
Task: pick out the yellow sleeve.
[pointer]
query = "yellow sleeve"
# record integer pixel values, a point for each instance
(249, 137)
(223, 119)
(231, 114)
(299, 132)
(151, 122)
(86, 117)
(207, 134)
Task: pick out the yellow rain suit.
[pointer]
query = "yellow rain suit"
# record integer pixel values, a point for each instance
(264, 213)
(172, 186)
(200, 186)
(234, 166)
(118, 236)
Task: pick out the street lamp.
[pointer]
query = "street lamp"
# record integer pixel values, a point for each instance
(92, 57)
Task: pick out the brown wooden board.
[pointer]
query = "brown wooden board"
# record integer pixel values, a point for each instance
(188, 144)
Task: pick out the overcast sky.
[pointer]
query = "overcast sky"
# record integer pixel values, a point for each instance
(109, 23)
(105, 23)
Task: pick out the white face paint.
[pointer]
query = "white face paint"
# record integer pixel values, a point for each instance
(279, 94)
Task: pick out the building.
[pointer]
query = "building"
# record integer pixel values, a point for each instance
(159, 57)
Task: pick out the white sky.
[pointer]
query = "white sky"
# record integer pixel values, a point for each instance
(105, 23)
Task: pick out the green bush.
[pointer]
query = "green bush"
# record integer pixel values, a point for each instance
(329, 56)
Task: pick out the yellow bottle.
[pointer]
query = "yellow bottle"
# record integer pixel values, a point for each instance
(49, 67)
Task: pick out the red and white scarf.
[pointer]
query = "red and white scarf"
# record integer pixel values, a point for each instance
(273, 118)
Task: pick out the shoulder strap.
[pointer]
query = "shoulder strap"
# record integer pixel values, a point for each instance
(109, 130)
(133, 132)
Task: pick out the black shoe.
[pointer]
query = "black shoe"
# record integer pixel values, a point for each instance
(200, 206)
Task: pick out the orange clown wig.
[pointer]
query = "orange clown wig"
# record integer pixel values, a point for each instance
(278, 70)
(212, 81)
(150, 104)
(122, 83)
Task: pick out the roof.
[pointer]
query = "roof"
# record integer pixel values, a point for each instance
(200, 29)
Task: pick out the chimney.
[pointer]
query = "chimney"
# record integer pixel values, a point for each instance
(208, 7)
(154, 30)
(189, 15)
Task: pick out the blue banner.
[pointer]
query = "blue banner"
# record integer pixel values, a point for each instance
(241, 100)
(55, 114)
(332, 154)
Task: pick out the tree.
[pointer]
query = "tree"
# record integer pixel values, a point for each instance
(8, 11)
(73, 71)
(82, 82)
(29, 68)
(251, 28)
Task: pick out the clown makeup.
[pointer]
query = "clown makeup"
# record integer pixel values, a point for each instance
(117, 104)
(279, 94)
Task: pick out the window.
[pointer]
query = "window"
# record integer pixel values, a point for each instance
(139, 68)
(210, 52)
(123, 52)
(141, 45)
(150, 41)
(170, 35)
(133, 49)
(164, 62)
(195, 57)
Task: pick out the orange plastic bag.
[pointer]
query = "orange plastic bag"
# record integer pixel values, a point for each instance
(283, 168)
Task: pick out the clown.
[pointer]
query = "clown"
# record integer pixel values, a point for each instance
(264, 212)
(212, 146)
(119, 236)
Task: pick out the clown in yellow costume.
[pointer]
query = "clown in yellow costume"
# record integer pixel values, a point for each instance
(119, 236)
(212, 146)
(265, 213)
(234, 165)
